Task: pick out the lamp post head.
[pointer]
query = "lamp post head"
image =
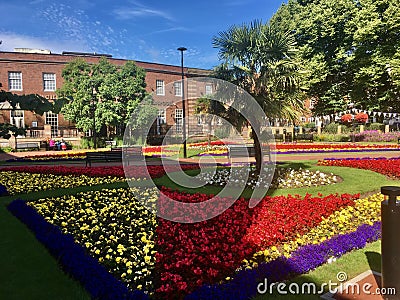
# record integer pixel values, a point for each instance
(182, 49)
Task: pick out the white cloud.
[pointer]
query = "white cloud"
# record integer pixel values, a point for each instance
(140, 10)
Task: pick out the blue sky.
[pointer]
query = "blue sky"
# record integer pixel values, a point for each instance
(139, 30)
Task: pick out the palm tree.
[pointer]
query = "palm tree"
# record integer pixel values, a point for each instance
(262, 60)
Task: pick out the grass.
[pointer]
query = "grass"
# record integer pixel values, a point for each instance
(352, 263)
(29, 272)
(354, 181)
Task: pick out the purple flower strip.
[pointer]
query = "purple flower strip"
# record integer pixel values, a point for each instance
(306, 258)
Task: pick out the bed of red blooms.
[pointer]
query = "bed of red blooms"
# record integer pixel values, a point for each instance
(100, 171)
(387, 166)
(209, 251)
(322, 146)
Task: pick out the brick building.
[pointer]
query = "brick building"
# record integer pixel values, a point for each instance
(35, 71)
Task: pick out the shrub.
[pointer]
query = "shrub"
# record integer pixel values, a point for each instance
(376, 126)
(331, 128)
(332, 138)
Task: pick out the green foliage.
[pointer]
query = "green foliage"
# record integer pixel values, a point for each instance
(376, 126)
(309, 125)
(103, 91)
(331, 128)
(351, 51)
(222, 131)
(330, 137)
(31, 102)
(8, 130)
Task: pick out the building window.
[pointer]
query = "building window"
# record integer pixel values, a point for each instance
(162, 116)
(199, 120)
(17, 118)
(161, 119)
(208, 89)
(160, 87)
(178, 88)
(178, 120)
(15, 81)
(52, 119)
(49, 81)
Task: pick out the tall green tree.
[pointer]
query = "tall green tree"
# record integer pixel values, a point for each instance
(208, 109)
(101, 93)
(261, 59)
(350, 48)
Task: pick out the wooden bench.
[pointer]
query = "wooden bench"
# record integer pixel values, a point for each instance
(238, 151)
(103, 156)
(278, 137)
(129, 152)
(132, 152)
(27, 146)
(304, 137)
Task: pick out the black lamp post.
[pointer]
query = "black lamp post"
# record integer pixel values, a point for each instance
(182, 49)
(94, 117)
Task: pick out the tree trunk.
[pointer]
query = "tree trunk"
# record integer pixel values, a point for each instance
(255, 128)
(209, 133)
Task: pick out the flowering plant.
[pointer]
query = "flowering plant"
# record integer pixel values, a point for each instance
(346, 119)
(361, 117)
(379, 165)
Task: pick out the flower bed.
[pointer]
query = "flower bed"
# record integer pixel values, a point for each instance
(331, 147)
(377, 136)
(114, 171)
(20, 182)
(63, 156)
(207, 252)
(380, 165)
(244, 284)
(111, 223)
(113, 226)
(283, 178)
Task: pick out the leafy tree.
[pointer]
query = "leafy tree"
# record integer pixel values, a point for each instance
(101, 93)
(208, 109)
(142, 118)
(350, 49)
(261, 59)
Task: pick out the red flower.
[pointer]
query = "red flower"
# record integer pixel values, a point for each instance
(361, 117)
(346, 118)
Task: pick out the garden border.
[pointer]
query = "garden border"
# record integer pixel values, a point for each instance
(73, 258)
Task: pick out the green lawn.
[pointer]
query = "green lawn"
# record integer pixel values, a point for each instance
(29, 272)
(354, 181)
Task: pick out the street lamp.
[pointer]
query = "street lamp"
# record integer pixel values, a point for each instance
(182, 49)
(94, 116)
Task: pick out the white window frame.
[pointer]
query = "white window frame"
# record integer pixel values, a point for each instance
(52, 119)
(160, 87)
(178, 120)
(178, 88)
(208, 89)
(15, 81)
(17, 118)
(162, 115)
(49, 82)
